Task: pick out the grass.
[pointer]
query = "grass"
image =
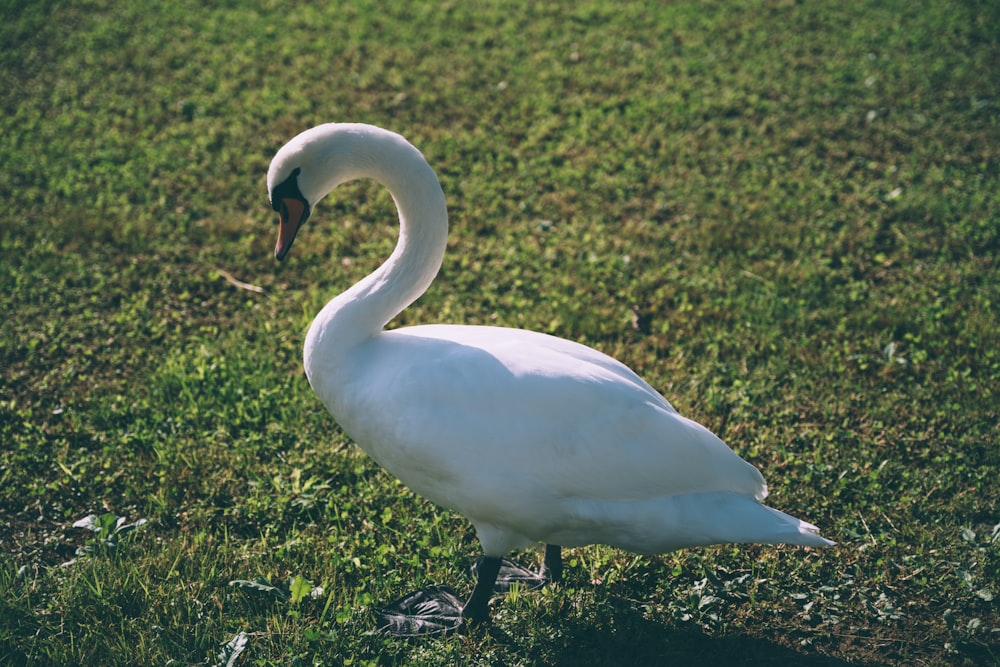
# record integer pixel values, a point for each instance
(784, 215)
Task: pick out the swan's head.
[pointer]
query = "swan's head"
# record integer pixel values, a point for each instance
(312, 164)
(303, 171)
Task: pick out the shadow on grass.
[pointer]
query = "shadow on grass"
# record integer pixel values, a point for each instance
(628, 638)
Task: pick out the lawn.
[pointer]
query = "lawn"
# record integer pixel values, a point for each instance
(785, 216)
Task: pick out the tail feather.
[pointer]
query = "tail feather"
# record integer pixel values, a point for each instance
(799, 532)
(678, 522)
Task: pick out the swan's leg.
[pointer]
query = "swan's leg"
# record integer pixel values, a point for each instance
(511, 574)
(552, 564)
(477, 608)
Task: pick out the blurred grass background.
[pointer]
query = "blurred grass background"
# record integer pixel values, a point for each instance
(783, 215)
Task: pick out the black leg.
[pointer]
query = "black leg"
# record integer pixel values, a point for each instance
(477, 609)
(552, 565)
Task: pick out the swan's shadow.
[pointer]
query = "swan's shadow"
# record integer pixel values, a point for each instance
(632, 639)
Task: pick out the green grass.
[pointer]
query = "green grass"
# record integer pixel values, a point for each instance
(784, 215)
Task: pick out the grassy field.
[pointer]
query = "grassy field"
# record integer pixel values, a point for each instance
(784, 215)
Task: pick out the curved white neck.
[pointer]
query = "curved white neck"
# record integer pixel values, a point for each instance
(363, 310)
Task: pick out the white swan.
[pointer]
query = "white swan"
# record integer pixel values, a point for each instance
(534, 438)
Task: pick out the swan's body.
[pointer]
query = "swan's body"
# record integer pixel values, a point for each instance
(533, 438)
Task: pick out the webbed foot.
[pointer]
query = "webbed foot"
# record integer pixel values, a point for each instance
(511, 574)
(430, 611)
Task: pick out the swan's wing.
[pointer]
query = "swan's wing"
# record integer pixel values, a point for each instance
(459, 409)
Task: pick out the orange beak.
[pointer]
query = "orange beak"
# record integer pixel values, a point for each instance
(291, 215)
